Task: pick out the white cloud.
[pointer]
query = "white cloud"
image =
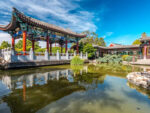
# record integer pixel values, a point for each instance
(5, 37)
(107, 34)
(56, 12)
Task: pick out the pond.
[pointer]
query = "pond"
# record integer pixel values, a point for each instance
(72, 89)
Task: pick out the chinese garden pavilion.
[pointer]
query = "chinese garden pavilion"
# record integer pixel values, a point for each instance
(22, 26)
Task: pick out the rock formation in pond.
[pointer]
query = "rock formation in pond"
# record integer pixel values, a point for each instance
(141, 79)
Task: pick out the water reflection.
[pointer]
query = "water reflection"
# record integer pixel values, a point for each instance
(83, 89)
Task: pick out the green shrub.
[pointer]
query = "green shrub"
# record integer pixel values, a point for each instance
(124, 57)
(130, 58)
(110, 59)
(77, 61)
(90, 50)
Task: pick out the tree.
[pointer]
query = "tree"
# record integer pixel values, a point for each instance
(81, 45)
(101, 42)
(144, 35)
(19, 45)
(136, 42)
(90, 50)
(92, 38)
(4, 45)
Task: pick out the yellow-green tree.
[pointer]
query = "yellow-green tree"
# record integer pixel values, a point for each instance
(4, 45)
(136, 42)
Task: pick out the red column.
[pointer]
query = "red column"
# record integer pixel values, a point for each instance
(66, 48)
(24, 42)
(50, 48)
(77, 47)
(13, 42)
(48, 43)
(61, 46)
(145, 51)
(33, 44)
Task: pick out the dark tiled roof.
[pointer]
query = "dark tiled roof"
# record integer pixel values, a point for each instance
(118, 47)
(144, 38)
(38, 23)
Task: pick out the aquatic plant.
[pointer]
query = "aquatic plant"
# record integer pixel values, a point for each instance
(77, 61)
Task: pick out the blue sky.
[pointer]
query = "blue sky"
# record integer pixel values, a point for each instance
(118, 21)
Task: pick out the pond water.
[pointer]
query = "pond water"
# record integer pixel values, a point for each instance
(72, 89)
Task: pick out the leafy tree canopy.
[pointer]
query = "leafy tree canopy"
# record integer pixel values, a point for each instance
(92, 38)
(19, 45)
(90, 50)
(4, 45)
(136, 42)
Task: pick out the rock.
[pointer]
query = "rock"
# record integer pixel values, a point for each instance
(140, 79)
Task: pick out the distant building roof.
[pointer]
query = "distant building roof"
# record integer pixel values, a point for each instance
(118, 47)
(144, 39)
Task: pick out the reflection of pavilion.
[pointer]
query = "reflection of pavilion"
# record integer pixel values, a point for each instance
(35, 91)
(16, 82)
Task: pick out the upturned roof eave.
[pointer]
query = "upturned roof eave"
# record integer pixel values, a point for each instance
(38, 23)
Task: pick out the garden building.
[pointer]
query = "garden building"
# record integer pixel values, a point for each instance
(142, 51)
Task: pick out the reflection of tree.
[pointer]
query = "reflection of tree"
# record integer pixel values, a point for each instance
(39, 96)
(113, 69)
(44, 69)
(76, 69)
(90, 78)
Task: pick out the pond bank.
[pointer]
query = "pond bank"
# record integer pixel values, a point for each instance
(34, 64)
(141, 79)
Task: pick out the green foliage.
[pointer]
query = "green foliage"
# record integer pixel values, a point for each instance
(40, 50)
(144, 35)
(110, 59)
(54, 50)
(101, 42)
(77, 61)
(124, 57)
(81, 46)
(70, 51)
(76, 69)
(4, 45)
(136, 42)
(92, 38)
(19, 45)
(90, 50)
(130, 58)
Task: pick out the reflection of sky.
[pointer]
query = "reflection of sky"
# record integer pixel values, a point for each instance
(106, 98)
(3, 89)
(109, 96)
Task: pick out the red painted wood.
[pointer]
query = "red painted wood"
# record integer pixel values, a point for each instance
(50, 50)
(24, 41)
(66, 48)
(61, 46)
(13, 42)
(77, 47)
(33, 44)
(48, 43)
